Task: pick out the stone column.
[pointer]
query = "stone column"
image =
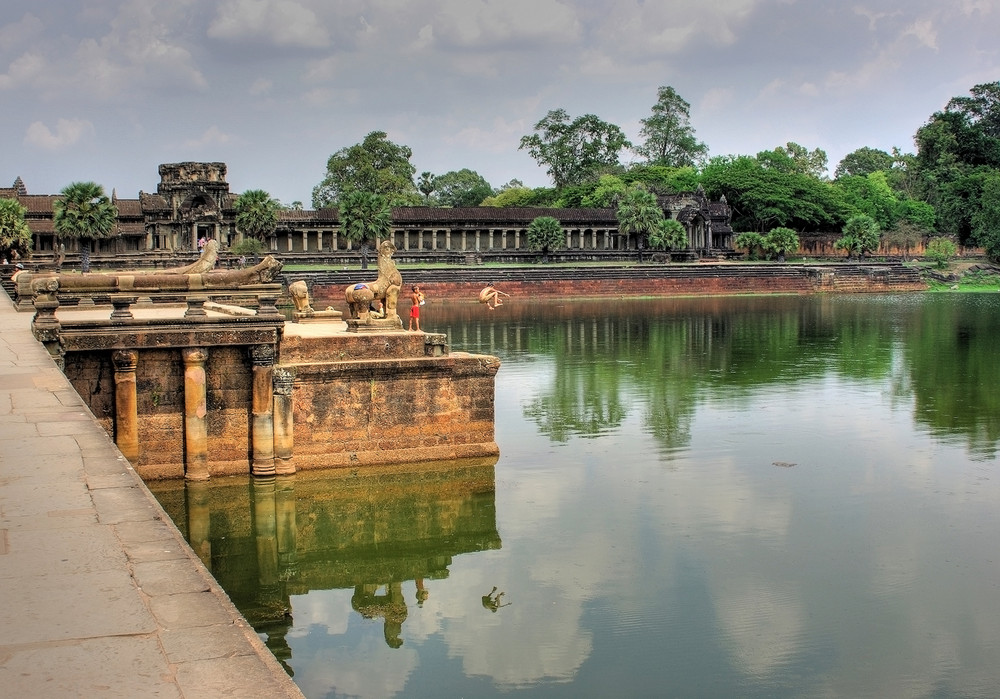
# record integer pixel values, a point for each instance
(194, 237)
(262, 422)
(195, 414)
(126, 404)
(284, 441)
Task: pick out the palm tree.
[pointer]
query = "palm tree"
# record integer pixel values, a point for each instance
(640, 215)
(15, 236)
(364, 217)
(84, 212)
(544, 233)
(257, 213)
(669, 236)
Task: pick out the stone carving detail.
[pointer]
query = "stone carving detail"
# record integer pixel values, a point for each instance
(300, 296)
(304, 312)
(262, 355)
(125, 360)
(386, 288)
(283, 381)
(205, 262)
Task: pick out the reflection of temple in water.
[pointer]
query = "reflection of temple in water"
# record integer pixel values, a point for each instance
(268, 539)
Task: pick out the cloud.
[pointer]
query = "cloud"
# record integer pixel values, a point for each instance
(213, 136)
(68, 132)
(283, 23)
(23, 71)
(261, 86)
(496, 23)
(21, 33)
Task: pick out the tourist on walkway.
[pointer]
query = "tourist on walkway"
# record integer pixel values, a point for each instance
(416, 301)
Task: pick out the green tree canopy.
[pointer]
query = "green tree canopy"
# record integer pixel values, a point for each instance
(663, 179)
(376, 165)
(870, 195)
(668, 138)
(863, 162)
(605, 194)
(462, 188)
(986, 219)
(780, 241)
(83, 211)
(860, 235)
(426, 185)
(765, 197)
(364, 217)
(639, 214)
(256, 213)
(544, 234)
(670, 235)
(793, 158)
(573, 151)
(15, 236)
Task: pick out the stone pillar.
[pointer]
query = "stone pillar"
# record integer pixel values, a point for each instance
(126, 404)
(262, 422)
(194, 237)
(305, 241)
(284, 441)
(195, 414)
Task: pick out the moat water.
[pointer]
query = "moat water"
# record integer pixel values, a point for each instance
(753, 497)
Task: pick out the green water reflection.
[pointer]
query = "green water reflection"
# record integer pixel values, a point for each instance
(770, 496)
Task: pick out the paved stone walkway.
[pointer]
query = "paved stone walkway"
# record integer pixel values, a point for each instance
(100, 594)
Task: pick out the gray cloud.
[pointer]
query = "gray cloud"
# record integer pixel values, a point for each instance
(273, 87)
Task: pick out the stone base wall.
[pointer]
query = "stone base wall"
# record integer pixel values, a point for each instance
(697, 280)
(377, 399)
(358, 399)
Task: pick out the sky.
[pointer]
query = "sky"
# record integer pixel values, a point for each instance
(106, 90)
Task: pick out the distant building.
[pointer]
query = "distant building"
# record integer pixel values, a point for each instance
(193, 201)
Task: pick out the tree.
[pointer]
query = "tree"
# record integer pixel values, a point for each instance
(860, 235)
(376, 165)
(84, 211)
(940, 250)
(519, 196)
(669, 236)
(426, 186)
(779, 241)
(639, 215)
(764, 197)
(256, 213)
(545, 233)
(668, 138)
(794, 158)
(986, 219)
(364, 217)
(574, 150)
(863, 162)
(904, 237)
(870, 195)
(982, 110)
(606, 193)
(462, 188)
(752, 242)
(15, 236)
